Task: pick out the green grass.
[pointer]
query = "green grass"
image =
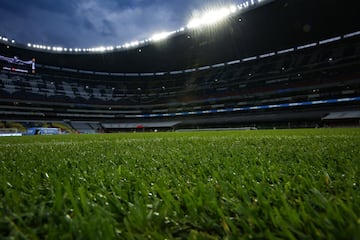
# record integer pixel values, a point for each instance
(298, 184)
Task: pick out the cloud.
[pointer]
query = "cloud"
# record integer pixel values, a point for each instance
(116, 24)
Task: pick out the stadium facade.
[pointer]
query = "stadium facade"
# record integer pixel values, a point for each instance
(282, 64)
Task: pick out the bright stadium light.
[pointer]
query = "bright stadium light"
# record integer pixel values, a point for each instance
(194, 23)
(161, 36)
(57, 49)
(233, 9)
(134, 44)
(211, 17)
(216, 15)
(98, 49)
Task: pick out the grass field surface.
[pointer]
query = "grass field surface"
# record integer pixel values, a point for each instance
(274, 184)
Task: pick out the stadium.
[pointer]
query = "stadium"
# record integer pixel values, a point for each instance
(303, 75)
(270, 64)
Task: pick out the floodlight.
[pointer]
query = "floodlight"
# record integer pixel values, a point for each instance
(194, 23)
(134, 44)
(57, 49)
(212, 17)
(215, 16)
(98, 49)
(161, 36)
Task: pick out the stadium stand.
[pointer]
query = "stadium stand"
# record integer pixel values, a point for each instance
(342, 119)
(84, 127)
(287, 72)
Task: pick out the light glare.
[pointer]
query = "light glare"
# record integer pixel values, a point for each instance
(161, 36)
(211, 17)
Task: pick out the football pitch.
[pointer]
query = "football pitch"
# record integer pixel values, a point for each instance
(273, 184)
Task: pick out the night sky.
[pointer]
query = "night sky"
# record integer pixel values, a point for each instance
(91, 23)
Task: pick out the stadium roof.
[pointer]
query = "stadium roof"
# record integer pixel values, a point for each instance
(342, 115)
(281, 24)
